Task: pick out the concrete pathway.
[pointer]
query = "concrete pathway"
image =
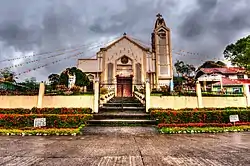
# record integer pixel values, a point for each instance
(121, 148)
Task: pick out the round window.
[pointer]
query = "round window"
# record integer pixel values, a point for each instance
(124, 60)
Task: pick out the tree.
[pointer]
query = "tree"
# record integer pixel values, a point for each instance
(81, 78)
(7, 75)
(188, 69)
(239, 53)
(54, 80)
(179, 67)
(64, 79)
(212, 64)
(185, 70)
(30, 83)
(182, 68)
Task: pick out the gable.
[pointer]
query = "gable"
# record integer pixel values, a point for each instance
(133, 41)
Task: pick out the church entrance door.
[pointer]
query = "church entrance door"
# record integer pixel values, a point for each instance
(124, 86)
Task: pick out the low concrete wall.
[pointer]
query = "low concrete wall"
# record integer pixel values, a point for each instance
(47, 101)
(174, 102)
(68, 101)
(18, 101)
(221, 102)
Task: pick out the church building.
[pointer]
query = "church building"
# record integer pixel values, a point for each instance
(127, 63)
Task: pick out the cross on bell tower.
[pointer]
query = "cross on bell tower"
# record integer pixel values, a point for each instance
(159, 15)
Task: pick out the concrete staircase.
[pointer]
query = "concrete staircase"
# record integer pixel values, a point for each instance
(126, 111)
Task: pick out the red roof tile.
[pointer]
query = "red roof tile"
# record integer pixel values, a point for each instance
(227, 81)
(225, 70)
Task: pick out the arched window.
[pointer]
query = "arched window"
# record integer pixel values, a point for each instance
(110, 72)
(138, 73)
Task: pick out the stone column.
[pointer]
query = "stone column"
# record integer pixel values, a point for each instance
(147, 95)
(199, 94)
(96, 96)
(40, 95)
(247, 94)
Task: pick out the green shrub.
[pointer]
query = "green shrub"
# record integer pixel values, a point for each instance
(178, 117)
(52, 121)
(46, 111)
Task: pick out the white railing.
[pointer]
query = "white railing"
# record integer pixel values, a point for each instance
(140, 97)
(104, 98)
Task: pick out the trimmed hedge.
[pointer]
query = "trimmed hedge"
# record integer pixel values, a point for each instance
(178, 117)
(52, 121)
(46, 111)
(44, 132)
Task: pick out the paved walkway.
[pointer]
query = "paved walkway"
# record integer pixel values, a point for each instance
(127, 149)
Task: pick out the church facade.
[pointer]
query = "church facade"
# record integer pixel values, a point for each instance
(127, 63)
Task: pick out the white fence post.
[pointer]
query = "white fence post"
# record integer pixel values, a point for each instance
(247, 94)
(40, 95)
(199, 94)
(96, 96)
(147, 95)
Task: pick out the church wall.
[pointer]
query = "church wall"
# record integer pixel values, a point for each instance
(127, 48)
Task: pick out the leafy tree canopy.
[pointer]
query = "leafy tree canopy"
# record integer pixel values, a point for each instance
(239, 53)
(81, 78)
(212, 64)
(7, 75)
(30, 83)
(183, 68)
(54, 80)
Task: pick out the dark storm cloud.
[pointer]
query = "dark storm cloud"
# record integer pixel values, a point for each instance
(204, 26)
(211, 25)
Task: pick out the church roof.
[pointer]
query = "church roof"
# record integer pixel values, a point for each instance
(134, 41)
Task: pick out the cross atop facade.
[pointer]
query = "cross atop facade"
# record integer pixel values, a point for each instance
(159, 15)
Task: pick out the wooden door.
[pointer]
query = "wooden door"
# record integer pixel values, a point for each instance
(124, 87)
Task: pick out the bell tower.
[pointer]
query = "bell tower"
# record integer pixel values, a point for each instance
(161, 47)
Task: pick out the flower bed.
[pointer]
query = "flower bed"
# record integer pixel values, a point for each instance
(46, 111)
(52, 120)
(162, 125)
(183, 130)
(180, 117)
(44, 132)
(202, 109)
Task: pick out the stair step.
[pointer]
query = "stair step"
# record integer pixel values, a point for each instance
(121, 122)
(125, 104)
(123, 108)
(121, 116)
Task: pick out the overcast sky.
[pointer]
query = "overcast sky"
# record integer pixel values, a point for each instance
(202, 26)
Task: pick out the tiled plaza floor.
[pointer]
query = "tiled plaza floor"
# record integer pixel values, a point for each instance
(127, 149)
